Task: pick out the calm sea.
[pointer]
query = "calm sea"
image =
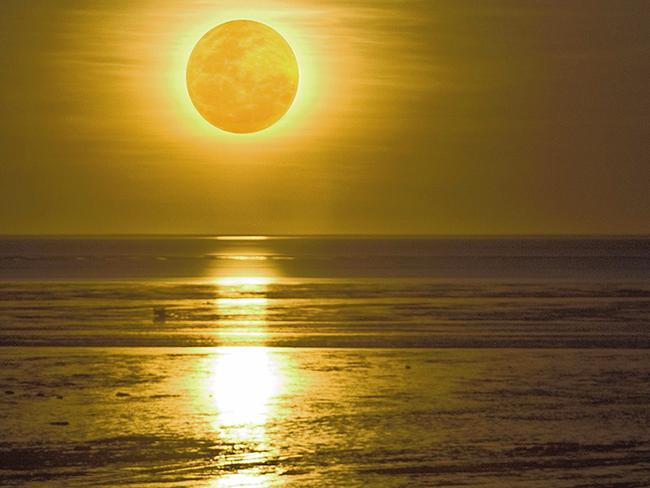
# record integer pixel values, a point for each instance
(309, 361)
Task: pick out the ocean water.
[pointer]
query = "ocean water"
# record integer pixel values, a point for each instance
(263, 362)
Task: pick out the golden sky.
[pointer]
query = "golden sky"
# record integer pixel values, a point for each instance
(415, 116)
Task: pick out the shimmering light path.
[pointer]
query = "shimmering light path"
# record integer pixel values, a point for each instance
(329, 362)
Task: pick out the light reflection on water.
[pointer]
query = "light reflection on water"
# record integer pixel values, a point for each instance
(241, 386)
(243, 381)
(242, 307)
(242, 479)
(241, 313)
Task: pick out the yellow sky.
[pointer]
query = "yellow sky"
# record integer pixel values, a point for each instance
(411, 117)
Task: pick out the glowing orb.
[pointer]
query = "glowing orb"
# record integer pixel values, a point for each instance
(242, 76)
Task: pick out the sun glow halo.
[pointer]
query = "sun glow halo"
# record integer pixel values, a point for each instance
(188, 35)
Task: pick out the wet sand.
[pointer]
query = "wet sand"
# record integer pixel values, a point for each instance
(324, 417)
(197, 362)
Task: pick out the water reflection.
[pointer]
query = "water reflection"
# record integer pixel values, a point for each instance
(243, 382)
(241, 479)
(242, 306)
(242, 238)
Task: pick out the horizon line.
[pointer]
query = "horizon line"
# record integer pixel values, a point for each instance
(238, 236)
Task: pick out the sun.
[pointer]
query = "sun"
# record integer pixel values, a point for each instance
(242, 76)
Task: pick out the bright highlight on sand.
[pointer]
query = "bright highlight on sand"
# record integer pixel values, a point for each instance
(242, 76)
